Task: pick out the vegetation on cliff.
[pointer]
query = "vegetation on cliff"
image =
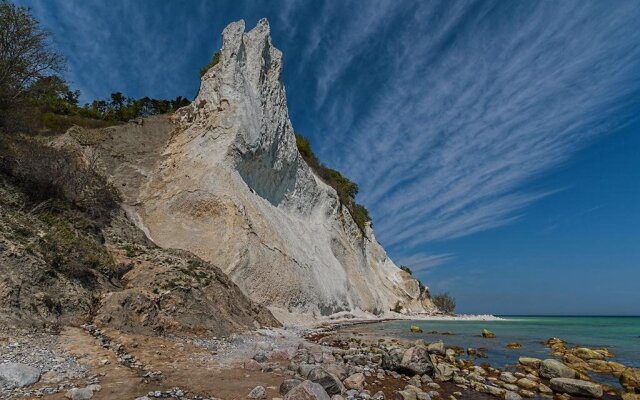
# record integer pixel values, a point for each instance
(445, 303)
(214, 60)
(34, 97)
(346, 189)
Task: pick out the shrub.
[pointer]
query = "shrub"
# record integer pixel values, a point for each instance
(445, 303)
(214, 60)
(47, 173)
(398, 307)
(406, 269)
(346, 189)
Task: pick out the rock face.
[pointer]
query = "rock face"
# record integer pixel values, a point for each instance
(225, 181)
(109, 272)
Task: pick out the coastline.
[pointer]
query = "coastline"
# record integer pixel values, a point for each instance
(305, 321)
(357, 363)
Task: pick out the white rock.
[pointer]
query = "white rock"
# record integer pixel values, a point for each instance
(232, 188)
(13, 375)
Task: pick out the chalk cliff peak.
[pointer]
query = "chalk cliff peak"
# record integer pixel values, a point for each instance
(226, 182)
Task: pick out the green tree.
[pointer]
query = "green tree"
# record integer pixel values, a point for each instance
(25, 53)
(445, 303)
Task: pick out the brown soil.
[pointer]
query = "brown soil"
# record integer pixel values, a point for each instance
(182, 365)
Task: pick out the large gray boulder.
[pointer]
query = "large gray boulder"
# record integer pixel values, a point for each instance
(436, 348)
(327, 380)
(307, 390)
(355, 381)
(416, 361)
(576, 387)
(79, 394)
(391, 360)
(288, 384)
(443, 372)
(551, 368)
(13, 375)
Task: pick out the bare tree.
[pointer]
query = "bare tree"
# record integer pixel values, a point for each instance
(25, 53)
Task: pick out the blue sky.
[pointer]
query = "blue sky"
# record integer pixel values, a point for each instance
(496, 144)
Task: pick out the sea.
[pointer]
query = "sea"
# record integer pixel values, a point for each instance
(620, 335)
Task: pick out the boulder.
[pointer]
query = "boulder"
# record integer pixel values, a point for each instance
(416, 329)
(630, 379)
(530, 362)
(630, 396)
(13, 375)
(405, 395)
(378, 396)
(576, 387)
(575, 362)
(336, 369)
(258, 393)
(544, 389)
(436, 348)
(288, 384)
(526, 383)
(415, 360)
(586, 353)
(305, 369)
(551, 368)
(392, 359)
(79, 394)
(616, 368)
(514, 345)
(508, 377)
(307, 390)
(488, 334)
(355, 381)
(527, 393)
(327, 380)
(512, 396)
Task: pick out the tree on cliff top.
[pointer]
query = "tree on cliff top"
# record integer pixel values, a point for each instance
(25, 53)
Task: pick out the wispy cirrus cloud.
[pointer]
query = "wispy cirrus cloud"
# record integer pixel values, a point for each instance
(468, 103)
(421, 262)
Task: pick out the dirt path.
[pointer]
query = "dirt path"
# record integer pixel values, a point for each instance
(194, 369)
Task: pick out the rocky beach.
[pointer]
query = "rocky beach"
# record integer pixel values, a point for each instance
(334, 361)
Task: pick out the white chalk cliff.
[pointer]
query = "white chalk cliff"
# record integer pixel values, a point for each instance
(229, 185)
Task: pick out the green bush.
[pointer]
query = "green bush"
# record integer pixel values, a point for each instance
(406, 269)
(346, 189)
(445, 303)
(214, 60)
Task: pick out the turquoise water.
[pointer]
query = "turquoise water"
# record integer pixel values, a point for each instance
(621, 335)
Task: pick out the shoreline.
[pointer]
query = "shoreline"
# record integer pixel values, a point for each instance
(379, 364)
(307, 322)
